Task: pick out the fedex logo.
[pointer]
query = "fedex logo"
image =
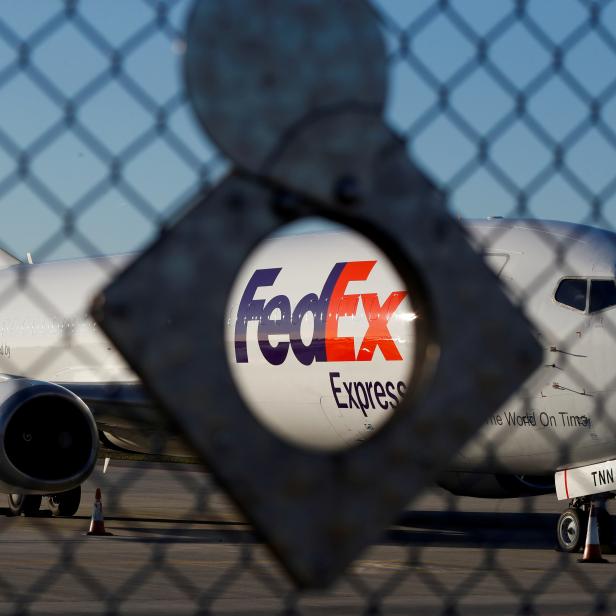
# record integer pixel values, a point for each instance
(277, 317)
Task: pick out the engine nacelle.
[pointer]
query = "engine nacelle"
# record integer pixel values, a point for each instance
(483, 485)
(48, 438)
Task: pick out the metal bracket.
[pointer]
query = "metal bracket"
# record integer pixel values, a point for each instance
(316, 134)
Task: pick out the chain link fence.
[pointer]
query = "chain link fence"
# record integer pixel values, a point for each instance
(507, 106)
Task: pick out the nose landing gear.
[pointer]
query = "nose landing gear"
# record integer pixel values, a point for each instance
(571, 528)
(573, 523)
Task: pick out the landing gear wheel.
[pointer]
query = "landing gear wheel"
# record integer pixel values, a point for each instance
(571, 529)
(65, 504)
(28, 504)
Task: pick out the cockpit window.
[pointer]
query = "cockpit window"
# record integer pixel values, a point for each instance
(572, 292)
(602, 294)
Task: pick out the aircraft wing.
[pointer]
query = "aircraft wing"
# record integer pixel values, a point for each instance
(131, 426)
(120, 405)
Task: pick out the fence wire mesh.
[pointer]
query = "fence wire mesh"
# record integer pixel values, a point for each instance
(508, 106)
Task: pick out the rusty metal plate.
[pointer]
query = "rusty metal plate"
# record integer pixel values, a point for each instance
(255, 68)
(166, 313)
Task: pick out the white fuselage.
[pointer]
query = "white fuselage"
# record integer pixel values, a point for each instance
(45, 328)
(320, 339)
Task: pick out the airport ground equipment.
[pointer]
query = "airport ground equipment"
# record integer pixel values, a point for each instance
(97, 521)
(592, 548)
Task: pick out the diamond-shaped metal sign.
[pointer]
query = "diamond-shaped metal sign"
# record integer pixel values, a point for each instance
(166, 313)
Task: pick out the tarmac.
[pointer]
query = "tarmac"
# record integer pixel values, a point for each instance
(180, 547)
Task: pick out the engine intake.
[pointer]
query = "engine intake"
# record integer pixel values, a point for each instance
(48, 438)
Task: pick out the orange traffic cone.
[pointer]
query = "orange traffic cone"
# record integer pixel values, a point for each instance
(592, 549)
(97, 523)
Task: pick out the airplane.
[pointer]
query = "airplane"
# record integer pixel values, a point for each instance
(319, 333)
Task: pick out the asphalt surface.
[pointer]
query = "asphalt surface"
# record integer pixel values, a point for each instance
(179, 547)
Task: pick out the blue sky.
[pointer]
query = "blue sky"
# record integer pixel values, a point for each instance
(116, 118)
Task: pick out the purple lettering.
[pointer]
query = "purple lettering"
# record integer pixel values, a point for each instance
(379, 393)
(251, 309)
(315, 351)
(349, 390)
(336, 390)
(268, 326)
(391, 392)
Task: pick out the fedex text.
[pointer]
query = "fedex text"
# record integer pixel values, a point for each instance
(332, 304)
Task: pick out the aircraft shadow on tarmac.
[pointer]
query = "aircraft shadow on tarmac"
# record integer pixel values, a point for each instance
(436, 528)
(425, 528)
(525, 530)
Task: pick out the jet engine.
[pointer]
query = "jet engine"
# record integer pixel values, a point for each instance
(48, 438)
(484, 485)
